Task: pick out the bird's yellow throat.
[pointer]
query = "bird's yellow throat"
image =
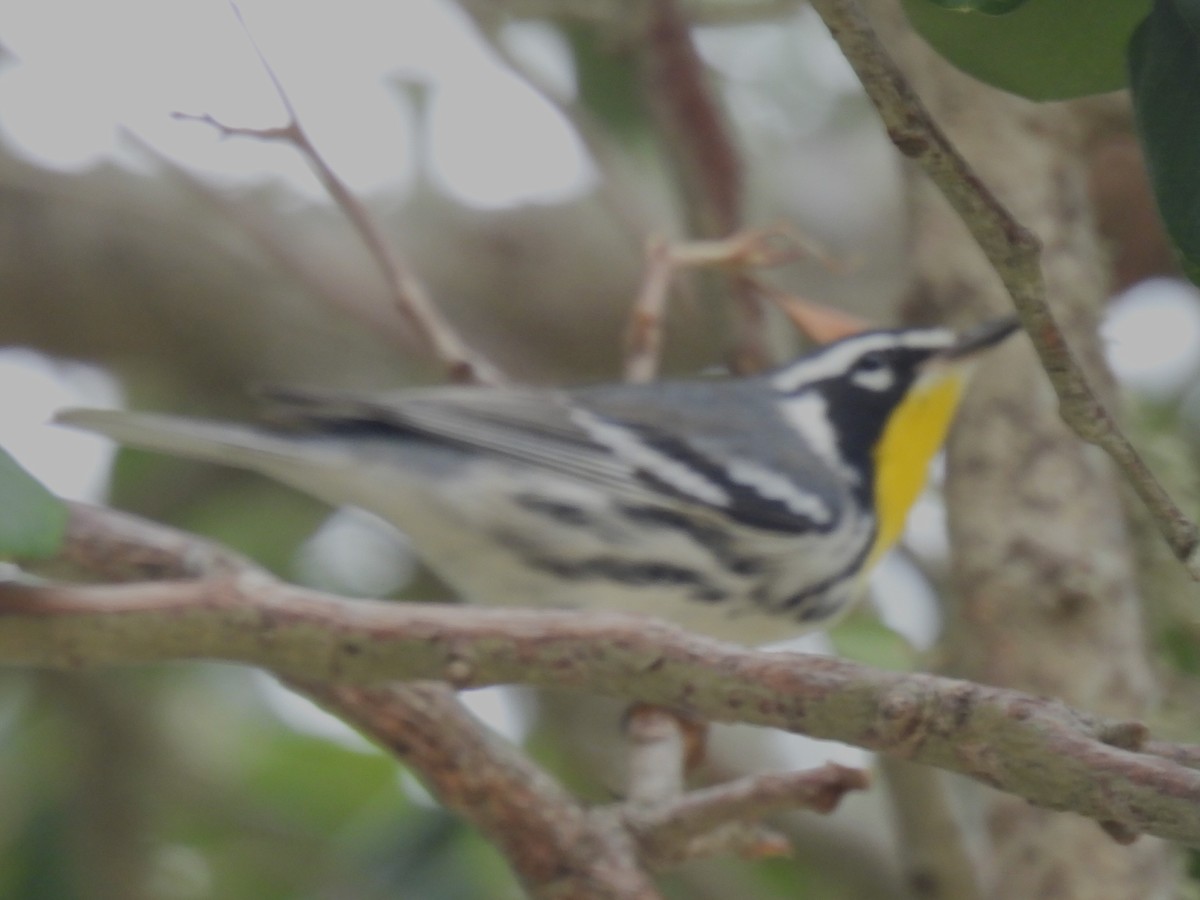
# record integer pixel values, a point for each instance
(912, 437)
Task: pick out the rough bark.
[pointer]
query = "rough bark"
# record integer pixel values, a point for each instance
(1046, 593)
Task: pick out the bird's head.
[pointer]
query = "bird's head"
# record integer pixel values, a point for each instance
(882, 403)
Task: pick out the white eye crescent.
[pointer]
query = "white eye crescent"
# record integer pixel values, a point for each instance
(873, 373)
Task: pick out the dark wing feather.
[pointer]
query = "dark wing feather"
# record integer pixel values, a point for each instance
(530, 426)
(678, 443)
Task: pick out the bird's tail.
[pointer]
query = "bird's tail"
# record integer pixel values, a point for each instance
(283, 456)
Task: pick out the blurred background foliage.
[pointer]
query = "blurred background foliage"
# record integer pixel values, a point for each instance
(181, 269)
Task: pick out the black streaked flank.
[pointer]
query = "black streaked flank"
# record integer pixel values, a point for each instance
(632, 573)
(558, 511)
(713, 539)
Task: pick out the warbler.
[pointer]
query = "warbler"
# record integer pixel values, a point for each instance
(746, 508)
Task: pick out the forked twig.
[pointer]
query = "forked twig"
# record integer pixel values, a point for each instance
(1013, 252)
(773, 245)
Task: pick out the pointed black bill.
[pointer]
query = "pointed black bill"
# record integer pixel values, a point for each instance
(981, 337)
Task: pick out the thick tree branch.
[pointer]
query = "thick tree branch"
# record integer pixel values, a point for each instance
(1013, 252)
(1039, 749)
(558, 848)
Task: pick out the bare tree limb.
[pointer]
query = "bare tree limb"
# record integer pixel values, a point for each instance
(1013, 252)
(558, 848)
(1041, 750)
(1038, 749)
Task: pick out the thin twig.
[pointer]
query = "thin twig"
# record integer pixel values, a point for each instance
(675, 830)
(1014, 253)
(749, 798)
(657, 756)
(290, 258)
(432, 330)
(643, 333)
(702, 154)
(773, 245)
(691, 123)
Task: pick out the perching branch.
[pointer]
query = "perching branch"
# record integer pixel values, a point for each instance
(1039, 749)
(432, 330)
(557, 847)
(1013, 252)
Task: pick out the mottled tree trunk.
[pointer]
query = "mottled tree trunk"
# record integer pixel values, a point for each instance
(1046, 597)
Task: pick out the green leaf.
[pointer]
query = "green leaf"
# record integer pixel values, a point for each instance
(32, 520)
(987, 7)
(863, 638)
(1041, 49)
(1164, 67)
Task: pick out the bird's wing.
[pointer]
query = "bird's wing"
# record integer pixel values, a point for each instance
(646, 446)
(530, 426)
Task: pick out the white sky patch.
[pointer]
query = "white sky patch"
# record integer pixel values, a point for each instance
(356, 553)
(773, 486)
(496, 143)
(32, 388)
(505, 710)
(927, 533)
(905, 600)
(634, 451)
(84, 72)
(1152, 336)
